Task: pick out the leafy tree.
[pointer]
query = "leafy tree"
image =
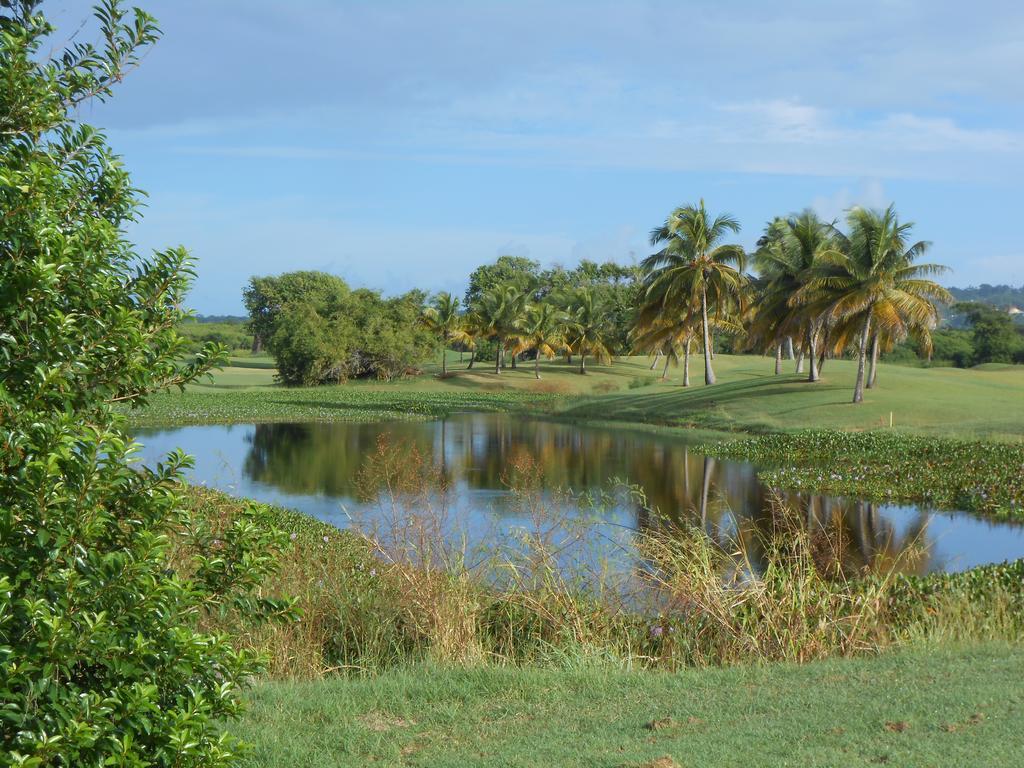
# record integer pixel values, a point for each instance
(391, 339)
(994, 336)
(101, 658)
(319, 331)
(265, 298)
(695, 270)
(309, 347)
(515, 271)
(953, 345)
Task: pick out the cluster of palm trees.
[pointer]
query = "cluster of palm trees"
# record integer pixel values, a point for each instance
(521, 324)
(819, 292)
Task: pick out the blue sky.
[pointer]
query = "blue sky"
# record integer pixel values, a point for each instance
(400, 144)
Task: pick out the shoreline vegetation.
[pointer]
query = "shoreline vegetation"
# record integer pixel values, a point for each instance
(410, 596)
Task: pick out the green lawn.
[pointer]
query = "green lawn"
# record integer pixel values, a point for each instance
(987, 402)
(914, 708)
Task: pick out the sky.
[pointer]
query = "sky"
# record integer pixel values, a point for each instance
(401, 144)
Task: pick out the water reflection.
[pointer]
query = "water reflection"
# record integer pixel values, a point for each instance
(316, 468)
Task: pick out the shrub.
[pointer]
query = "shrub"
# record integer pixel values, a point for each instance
(102, 659)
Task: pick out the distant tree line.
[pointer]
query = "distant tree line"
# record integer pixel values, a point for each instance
(999, 296)
(980, 333)
(812, 290)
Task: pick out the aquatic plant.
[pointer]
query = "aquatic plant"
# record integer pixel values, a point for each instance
(981, 477)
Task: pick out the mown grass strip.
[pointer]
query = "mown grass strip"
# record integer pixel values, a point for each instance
(922, 707)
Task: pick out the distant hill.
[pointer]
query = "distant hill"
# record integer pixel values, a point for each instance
(1002, 296)
(233, 319)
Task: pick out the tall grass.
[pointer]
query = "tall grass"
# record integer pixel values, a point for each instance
(403, 586)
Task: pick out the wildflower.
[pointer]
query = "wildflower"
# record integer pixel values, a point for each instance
(325, 539)
(657, 630)
(294, 536)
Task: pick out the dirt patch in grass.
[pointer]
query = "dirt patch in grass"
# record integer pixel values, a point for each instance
(378, 722)
(551, 387)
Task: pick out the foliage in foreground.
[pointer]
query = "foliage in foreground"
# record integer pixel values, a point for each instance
(982, 477)
(101, 658)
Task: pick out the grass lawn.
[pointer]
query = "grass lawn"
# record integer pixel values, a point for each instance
(987, 402)
(941, 707)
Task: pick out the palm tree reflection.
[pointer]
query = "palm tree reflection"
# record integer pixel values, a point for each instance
(474, 453)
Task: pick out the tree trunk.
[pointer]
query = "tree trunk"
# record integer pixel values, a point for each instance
(872, 375)
(686, 365)
(711, 335)
(800, 360)
(862, 354)
(709, 374)
(812, 354)
(709, 468)
(514, 356)
(664, 373)
(778, 359)
(472, 359)
(655, 363)
(257, 344)
(497, 360)
(583, 362)
(444, 360)
(789, 347)
(536, 367)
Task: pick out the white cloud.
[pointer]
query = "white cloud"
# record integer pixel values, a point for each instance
(942, 134)
(870, 194)
(780, 120)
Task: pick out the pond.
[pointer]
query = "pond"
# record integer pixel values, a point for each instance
(321, 469)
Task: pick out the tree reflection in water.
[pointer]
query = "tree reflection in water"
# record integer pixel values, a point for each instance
(474, 452)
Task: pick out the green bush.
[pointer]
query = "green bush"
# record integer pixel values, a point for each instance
(321, 332)
(106, 578)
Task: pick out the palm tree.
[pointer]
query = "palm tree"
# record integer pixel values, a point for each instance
(693, 269)
(587, 329)
(540, 332)
(500, 313)
(663, 336)
(473, 329)
(871, 284)
(787, 254)
(443, 319)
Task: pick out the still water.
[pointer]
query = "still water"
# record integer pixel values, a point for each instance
(320, 469)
